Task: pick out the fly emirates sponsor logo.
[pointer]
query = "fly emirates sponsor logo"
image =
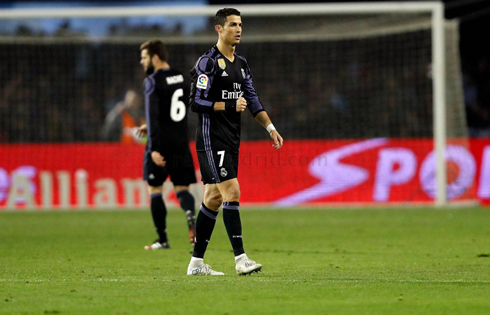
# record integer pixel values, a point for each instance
(232, 95)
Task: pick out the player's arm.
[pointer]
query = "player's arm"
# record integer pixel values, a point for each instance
(256, 108)
(253, 102)
(263, 119)
(239, 106)
(202, 78)
(154, 128)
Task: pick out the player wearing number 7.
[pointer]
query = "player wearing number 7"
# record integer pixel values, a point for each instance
(167, 150)
(221, 90)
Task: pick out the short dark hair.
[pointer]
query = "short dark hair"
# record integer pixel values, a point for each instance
(222, 14)
(155, 47)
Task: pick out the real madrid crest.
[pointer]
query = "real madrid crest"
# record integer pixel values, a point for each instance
(243, 74)
(223, 172)
(222, 63)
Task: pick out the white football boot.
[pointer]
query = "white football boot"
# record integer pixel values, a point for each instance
(246, 266)
(198, 268)
(157, 245)
(203, 270)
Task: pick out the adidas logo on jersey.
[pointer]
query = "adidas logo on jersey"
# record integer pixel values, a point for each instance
(224, 74)
(151, 176)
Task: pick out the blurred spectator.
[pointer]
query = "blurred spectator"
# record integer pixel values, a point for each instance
(121, 120)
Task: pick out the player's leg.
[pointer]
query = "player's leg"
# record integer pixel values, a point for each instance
(230, 190)
(155, 176)
(159, 215)
(206, 219)
(182, 174)
(205, 222)
(187, 204)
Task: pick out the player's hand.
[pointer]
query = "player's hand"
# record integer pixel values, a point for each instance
(158, 159)
(278, 141)
(141, 131)
(241, 104)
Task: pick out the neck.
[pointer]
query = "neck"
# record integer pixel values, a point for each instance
(162, 65)
(226, 50)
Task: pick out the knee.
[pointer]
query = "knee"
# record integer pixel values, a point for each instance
(213, 201)
(155, 189)
(180, 188)
(233, 194)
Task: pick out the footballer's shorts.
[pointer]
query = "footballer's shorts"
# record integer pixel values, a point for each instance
(179, 165)
(218, 166)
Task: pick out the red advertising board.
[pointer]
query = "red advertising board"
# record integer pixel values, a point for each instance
(372, 171)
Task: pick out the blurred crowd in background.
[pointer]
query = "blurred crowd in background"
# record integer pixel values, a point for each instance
(475, 61)
(88, 92)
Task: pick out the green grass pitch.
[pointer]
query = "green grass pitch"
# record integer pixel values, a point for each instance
(316, 261)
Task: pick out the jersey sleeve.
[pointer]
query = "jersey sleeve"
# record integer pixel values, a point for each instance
(152, 106)
(253, 102)
(202, 78)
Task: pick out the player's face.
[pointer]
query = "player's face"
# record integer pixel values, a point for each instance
(231, 32)
(146, 62)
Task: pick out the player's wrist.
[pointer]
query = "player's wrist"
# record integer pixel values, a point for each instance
(230, 107)
(219, 106)
(270, 127)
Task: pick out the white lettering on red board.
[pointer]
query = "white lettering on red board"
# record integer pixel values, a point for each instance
(335, 176)
(395, 167)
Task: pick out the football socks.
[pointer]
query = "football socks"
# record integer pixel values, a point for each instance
(186, 203)
(233, 224)
(205, 222)
(159, 214)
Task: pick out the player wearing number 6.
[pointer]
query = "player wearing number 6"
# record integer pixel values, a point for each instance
(221, 90)
(167, 150)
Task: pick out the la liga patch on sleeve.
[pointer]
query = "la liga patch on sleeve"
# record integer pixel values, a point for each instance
(202, 81)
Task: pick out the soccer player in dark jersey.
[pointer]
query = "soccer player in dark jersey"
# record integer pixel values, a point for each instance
(221, 90)
(167, 150)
